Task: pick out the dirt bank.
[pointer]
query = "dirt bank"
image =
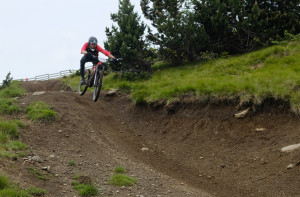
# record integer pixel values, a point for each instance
(196, 149)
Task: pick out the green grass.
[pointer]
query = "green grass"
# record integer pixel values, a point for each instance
(14, 90)
(85, 190)
(122, 180)
(40, 111)
(72, 163)
(270, 72)
(9, 146)
(7, 102)
(9, 189)
(16, 145)
(38, 174)
(13, 192)
(9, 128)
(8, 106)
(119, 169)
(35, 191)
(4, 182)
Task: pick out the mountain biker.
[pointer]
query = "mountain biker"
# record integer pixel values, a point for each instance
(90, 50)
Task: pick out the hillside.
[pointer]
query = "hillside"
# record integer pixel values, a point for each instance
(197, 150)
(250, 79)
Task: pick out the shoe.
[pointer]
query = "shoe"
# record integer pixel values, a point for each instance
(82, 80)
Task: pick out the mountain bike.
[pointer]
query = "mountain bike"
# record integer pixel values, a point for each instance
(94, 77)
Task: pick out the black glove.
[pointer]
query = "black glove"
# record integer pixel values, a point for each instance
(88, 54)
(114, 60)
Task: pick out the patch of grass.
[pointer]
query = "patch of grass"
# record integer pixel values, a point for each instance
(7, 154)
(8, 106)
(4, 182)
(16, 145)
(40, 111)
(38, 174)
(13, 192)
(3, 138)
(35, 191)
(14, 90)
(72, 82)
(9, 147)
(119, 169)
(86, 190)
(7, 103)
(84, 187)
(72, 163)
(19, 123)
(10, 128)
(9, 189)
(122, 180)
(76, 177)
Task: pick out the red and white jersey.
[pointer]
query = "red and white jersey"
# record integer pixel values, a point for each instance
(96, 51)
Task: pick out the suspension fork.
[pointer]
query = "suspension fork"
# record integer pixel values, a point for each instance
(97, 72)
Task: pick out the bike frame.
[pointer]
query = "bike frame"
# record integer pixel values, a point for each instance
(94, 70)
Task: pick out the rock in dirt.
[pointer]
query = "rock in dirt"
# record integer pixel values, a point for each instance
(290, 166)
(260, 129)
(172, 106)
(145, 149)
(38, 93)
(111, 93)
(37, 159)
(46, 168)
(290, 148)
(242, 114)
(34, 158)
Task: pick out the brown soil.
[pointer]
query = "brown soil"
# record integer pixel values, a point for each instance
(199, 150)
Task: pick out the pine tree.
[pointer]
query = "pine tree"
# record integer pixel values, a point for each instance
(166, 16)
(126, 40)
(7, 81)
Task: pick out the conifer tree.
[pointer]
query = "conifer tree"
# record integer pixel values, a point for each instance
(127, 40)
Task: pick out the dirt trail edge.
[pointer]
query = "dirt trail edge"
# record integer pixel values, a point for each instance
(197, 151)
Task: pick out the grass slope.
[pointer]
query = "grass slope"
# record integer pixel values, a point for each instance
(270, 72)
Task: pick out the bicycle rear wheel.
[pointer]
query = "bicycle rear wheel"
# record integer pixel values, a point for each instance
(84, 86)
(98, 85)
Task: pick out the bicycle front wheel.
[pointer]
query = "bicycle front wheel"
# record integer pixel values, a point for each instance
(84, 86)
(97, 85)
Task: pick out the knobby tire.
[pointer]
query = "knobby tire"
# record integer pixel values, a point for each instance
(98, 85)
(83, 87)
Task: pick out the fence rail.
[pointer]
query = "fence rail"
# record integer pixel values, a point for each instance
(50, 76)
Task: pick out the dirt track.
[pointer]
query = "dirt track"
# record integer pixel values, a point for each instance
(196, 150)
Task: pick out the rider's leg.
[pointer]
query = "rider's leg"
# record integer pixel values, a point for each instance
(83, 60)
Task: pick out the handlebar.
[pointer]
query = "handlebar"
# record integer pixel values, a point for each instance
(109, 59)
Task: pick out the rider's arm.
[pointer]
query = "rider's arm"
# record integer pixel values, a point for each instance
(111, 56)
(83, 49)
(106, 53)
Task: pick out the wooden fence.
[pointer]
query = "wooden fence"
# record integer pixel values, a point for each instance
(50, 76)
